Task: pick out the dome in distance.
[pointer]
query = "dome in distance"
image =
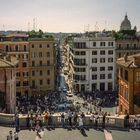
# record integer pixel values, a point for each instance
(126, 24)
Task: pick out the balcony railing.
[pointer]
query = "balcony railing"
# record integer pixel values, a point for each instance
(110, 121)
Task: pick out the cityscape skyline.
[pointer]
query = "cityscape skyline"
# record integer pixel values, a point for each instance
(67, 16)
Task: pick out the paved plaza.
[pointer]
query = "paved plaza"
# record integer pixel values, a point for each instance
(74, 134)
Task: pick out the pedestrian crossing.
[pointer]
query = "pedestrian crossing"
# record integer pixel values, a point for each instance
(108, 135)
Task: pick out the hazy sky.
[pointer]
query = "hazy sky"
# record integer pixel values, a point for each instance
(67, 15)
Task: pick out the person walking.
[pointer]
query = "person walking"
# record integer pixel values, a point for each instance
(63, 120)
(16, 136)
(10, 136)
(80, 123)
(104, 118)
(135, 121)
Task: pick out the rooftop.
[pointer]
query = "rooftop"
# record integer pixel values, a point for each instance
(132, 61)
(7, 60)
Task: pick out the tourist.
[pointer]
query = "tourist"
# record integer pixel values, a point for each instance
(16, 136)
(10, 136)
(46, 118)
(70, 118)
(63, 120)
(31, 122)
(17, 122)
(28, 121)
(92, 119)
(80, 123)
(50, 119)
(135, 121)
(104, 118)
(75, 118)
(96, 116)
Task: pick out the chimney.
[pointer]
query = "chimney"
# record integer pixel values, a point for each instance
(125, 57)
(136, 60)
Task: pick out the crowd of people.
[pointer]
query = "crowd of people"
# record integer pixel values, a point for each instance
(37, 103)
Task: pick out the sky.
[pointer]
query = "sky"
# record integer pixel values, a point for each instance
(67, 15)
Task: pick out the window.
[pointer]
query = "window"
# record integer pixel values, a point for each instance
(41, 82)
(126, 93)
(24, 64)
(48, 62)
(33, 46)
(94, 52)
(94, 68)
(102, 43)
(94, 77)
(94, 44)
(33, 83)
(48, 54)
(33, 73)
(138, 77)
(127, 45)
(110, 43)
(16, 47)
(102, 76)
(18, 74)
(48, 45)
(33, 63)
(94, 87)
(48, 81)
(110, 68)
(109, 76)
(110, 60)
(41, 73)
(77, 53)
(83, 53)
(110, 86)
(94, 60)
(7, 48)
(24, 47)
(102, 52)
(40, 63)
(40, 45)
(136, 100)
(126, 75)
(25, 74)
(40, 54)
(102, 60)
(25, 83)
(102, 68)
(48, 72)
(110, 52)
(121, 72)
(17, 83)
(33, 54)
(102, 86)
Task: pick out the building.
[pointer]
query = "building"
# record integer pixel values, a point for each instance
(126, 24)
(128, 41)
(17, 45)
(7, 82)
(93, 61)
(42, 65)
(129, 84)
(35, 72)
(129, 46)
